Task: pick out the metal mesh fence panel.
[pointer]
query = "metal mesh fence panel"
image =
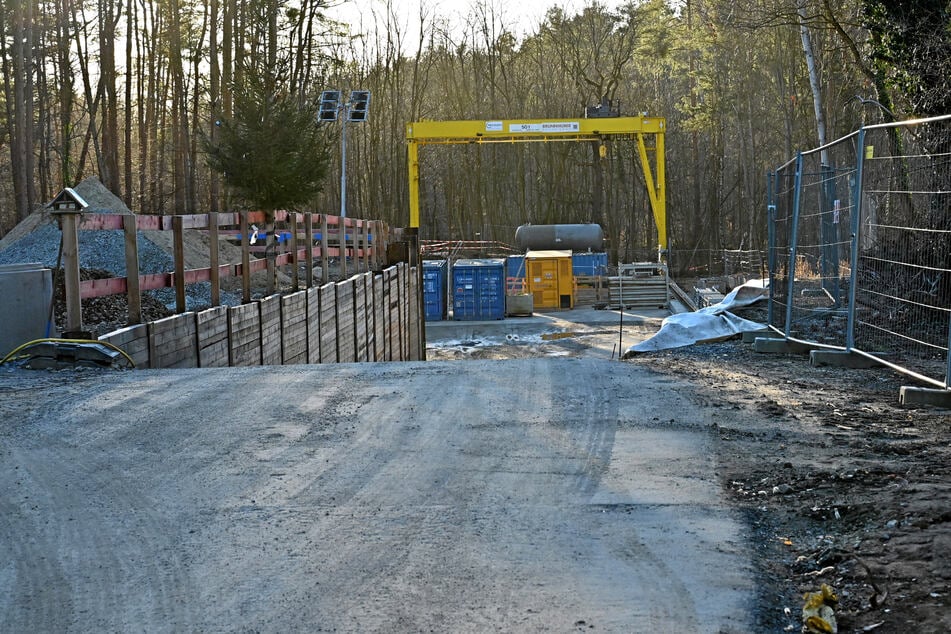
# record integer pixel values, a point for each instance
(903, 269)
(821, 254)
(784, 191)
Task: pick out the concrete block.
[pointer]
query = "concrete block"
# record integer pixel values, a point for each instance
(519, 305)
(752, 335)
(780, 346)
(841, 359)
(929, 397)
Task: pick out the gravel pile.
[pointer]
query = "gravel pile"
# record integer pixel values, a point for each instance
(100, 250)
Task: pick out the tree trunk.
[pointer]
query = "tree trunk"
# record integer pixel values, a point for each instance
(813, 79)
(129, 119)
(214, 98)
(109, 142)
(18, 86)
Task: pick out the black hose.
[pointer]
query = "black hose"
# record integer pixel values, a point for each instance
(59, 260)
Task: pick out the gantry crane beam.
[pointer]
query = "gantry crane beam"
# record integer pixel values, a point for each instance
(640, 129)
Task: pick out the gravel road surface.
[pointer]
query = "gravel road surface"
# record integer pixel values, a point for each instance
(556, 495)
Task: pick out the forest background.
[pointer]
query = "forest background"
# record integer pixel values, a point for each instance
(135, 92)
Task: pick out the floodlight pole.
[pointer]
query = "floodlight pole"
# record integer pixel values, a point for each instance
(331, 109)
(345, 109)
(343, 160)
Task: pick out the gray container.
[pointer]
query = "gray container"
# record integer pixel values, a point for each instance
(586, 237)
(27, 290)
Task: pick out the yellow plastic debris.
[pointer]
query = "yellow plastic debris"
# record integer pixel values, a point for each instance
(818, 615)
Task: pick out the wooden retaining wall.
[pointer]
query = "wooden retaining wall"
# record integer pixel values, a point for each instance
(368, 317)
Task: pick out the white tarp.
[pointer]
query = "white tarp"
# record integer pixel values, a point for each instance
(707, 324)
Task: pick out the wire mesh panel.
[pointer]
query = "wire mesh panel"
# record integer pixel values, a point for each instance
(784, 190)
(822, 250)
(747, 263)
(903, 269)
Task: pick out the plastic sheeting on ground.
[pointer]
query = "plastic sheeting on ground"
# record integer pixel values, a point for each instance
(707, 324)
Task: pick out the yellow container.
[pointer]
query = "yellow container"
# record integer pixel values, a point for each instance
(549, 278)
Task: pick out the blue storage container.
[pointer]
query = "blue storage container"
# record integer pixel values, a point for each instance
(589, 263)
(478, 288)
(515, 266)
(515, 274)
(434, 289)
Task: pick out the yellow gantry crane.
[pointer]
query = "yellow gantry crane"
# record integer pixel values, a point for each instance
(641, 129)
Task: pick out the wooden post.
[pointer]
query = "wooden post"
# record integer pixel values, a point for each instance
(213, 258)
(129, 224)
(366, 244)
(178, 233)
(377, 242)
(295, 227)
(324, 257)
(245, 258)
(309, 256)
(342, 239)
(69, 221)
(372, 232)
(270, 251)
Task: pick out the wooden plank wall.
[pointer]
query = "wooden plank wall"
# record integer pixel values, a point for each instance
(328, 323)
(313, 325)
(134, 340)
(173, 342)
(346, 349)
(244, 324)
(271, 349)
(412, 316)
(360, 332)
(294, 328)
(379, 319)
(403, 314)
(391, 302)
(368, 317)
(212, 333)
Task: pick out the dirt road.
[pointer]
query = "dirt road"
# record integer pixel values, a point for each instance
(570, 494)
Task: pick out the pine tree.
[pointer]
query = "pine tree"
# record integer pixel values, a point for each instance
(270, 151)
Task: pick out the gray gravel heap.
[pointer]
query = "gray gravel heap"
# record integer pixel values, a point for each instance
(105, 250)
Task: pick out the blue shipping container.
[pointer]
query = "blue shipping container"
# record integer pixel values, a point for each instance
(515, 266)
(589, 263)
(434, 289)
(581, 264)
(478, 288)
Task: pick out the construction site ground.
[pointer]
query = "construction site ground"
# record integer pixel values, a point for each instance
(521, 479)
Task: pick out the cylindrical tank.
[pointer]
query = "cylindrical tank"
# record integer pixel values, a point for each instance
(586, 237)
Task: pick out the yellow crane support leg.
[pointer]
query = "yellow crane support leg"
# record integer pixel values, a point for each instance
(656, 190)
(413, 160)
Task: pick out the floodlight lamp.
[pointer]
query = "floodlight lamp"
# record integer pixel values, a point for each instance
(359, 105)
(329, 102)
